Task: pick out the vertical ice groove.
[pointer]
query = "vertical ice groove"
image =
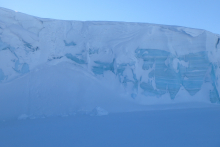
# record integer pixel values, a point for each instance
(135, 87)
(217, 43)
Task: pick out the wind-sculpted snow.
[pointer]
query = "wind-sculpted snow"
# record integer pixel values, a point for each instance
(140, 63)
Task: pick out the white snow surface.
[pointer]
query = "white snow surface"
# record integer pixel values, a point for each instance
(54, 67)
(160, 128)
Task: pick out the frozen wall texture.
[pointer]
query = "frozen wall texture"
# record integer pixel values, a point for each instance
(51, 67)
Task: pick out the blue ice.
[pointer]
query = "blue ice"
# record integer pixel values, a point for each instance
(28, 45)
(3, 45)
(75, 59)
(214, 95)
(69, 44)
(2, 76)
(103, 66)
(93, 51)
(166, 77)
(23, 70)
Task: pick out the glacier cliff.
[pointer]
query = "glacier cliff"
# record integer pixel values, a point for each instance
(54, 67)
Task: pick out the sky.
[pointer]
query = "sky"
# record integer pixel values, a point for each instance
(201, 14)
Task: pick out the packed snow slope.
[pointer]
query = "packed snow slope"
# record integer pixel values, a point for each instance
(56, 67)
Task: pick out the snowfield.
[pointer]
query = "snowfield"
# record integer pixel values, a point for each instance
(166, 128)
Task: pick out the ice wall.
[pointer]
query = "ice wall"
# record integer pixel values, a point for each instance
(148, 63)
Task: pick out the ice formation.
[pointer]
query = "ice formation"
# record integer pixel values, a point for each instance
(49, 67)
(98, 111)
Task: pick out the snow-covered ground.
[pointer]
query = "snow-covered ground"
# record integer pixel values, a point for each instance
(196, 127)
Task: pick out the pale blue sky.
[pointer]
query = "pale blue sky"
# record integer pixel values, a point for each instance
(203, 14)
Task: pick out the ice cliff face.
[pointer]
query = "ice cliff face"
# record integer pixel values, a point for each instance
(145, 63)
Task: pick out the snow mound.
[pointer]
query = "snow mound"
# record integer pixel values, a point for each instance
(23, 117)
(98, 111)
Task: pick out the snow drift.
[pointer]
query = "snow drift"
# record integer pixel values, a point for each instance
(55, 67)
